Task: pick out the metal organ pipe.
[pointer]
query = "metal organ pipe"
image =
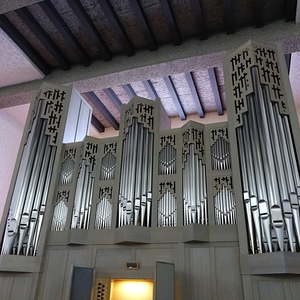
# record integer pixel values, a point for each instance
(167, 210)
(103, 214)
(220, 154)
(225, 210)
(83, 197)
(31, 188)
(167, 160)
(270, 173)
(135, 193)
(108, 167)
(194, 188)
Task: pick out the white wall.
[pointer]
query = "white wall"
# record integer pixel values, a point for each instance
(12, 121)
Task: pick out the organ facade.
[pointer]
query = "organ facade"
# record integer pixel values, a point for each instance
(202, 210)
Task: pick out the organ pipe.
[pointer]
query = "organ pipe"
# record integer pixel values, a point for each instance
(135, 196)
(267, 156)
(33, 180)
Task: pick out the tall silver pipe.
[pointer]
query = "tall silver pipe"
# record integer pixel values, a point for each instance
(42, 207)
(252, 183)
(138, 176)
(269, 161)
(21, 185)
(145, 177)
(194, 188)
(270, 174)
(135, 191)
(149, 176)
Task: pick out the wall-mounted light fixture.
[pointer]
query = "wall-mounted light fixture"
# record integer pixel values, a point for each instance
(132, 266)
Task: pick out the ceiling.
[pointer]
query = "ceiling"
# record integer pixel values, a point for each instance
(47, 36)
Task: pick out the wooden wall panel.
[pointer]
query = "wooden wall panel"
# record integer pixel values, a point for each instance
(6, 283)
(228, 278)
(294, 289)
(113, 260)
(149, 256)
(199, 279)
(275, 287)
(52, 278)
(16, 286)
(271, 290)
(24, 286)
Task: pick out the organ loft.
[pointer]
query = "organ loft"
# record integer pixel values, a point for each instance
(191, 212)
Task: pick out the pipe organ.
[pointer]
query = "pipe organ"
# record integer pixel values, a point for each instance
(194, 195)
(167, 171)
(116, 182)
(263, 131)
(222, 186)
(228, 186)
(30, 190)
(124, 181)
(84, 188)
(135, 192)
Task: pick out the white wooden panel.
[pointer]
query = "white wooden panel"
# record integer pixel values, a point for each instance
(148, 257)
(164, 281)
(53, 276)
(271, 290)
(114, 260)
(229, 286)
(198, 280)
(6, 283)
(294, 290)
(24, 286)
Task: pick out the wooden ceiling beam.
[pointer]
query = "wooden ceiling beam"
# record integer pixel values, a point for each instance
(215, 90)
(175, 97)
(258, 13)
(290, 10)
(53, 15)
(89, 26)
(24, 45)
(196, 97)
(129, 90)
(43, 37)
(110, 93)
(197, 9)
(150, 89)
(229, 16)
(116, 26)
(94, 100)
(171, 21)
(97, 124)
(143, 23)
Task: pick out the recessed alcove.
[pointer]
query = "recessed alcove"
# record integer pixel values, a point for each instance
(131, 289)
